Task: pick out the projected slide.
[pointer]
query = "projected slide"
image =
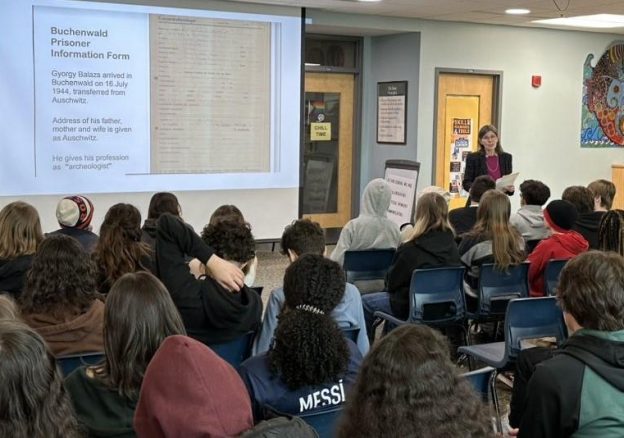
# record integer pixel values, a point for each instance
(128, 98)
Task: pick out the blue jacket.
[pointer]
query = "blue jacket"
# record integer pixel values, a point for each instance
(348, 312)
(267, 389)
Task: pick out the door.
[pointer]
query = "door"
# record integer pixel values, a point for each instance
(465, 103)
(328, 148)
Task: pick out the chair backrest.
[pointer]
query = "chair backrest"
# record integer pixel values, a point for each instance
(437, 295)
(325, 422)
(235, 351)
(497, 287)
(369, 264)
(351, 332)
(481, 380)
(70, 362)
(551, 275)
(532, 318)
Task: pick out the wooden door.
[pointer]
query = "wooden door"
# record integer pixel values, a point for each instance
(328, 148)
(465, 103)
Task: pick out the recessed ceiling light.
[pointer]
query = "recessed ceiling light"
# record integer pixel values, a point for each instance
(600, 21)
(517, 11)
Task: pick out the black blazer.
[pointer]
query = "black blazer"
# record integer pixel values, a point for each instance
(476, 166)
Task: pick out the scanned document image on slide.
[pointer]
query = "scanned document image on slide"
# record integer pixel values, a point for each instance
(210, 95)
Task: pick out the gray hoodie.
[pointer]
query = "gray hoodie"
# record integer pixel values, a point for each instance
(529, 221)
(371, 229)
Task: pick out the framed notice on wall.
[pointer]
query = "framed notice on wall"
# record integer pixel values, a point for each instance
(391, 112)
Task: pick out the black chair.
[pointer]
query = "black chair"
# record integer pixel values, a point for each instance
(70, 362)
(235, 351)
(526, 319)
(370, 264)
(551, 275)
(497, 288)
(436, 298)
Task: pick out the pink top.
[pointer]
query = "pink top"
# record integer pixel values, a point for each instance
(493, 167)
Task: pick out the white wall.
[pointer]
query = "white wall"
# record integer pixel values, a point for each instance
(540, 127)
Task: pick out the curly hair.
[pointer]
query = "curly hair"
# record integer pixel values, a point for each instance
(138, 316)
(591, 289)
(119, 249)
(33, 401)
(534, 192)
(231, 240)
(309, 347)
(303, 237)
(61, 280)
(163, 202)
(20, 230)
(226, 212)
(408, 386)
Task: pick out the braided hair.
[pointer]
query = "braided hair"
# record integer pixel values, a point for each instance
(611, 232)
(309, 347)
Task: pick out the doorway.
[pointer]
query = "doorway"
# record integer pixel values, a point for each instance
(328, 148)
(466, 100)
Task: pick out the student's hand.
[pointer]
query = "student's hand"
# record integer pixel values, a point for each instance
(509, 189)
(514, 432)
(228, 275)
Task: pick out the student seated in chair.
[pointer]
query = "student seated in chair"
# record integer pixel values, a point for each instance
(529, 219)
(580, 391)
(306, 237)
(139, 315)
(217, 307)
(463, 219)
(312, 364)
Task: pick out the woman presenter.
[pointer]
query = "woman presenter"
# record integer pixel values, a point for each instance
(488, 160)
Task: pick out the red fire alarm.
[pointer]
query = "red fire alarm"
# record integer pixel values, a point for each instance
(536, 81)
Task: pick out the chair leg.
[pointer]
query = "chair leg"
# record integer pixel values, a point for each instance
(499, 422)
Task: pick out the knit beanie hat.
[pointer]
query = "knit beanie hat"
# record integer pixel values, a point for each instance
(560, 215)
(74, 212)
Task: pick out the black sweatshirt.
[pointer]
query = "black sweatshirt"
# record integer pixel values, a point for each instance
(435, 249)
(211, 314)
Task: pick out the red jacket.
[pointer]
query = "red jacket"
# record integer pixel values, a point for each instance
(558, 246)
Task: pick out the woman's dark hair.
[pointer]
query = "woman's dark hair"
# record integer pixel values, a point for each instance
(138, 316)
(61, 280)
(611, 232)
(231, 240)
(591, 289)
(119, 249)
(534, 192)
(485, 129)
(163, 202)
(226, 213)
(580, 197)
(33, 401)
(309, 347)
(408, 386)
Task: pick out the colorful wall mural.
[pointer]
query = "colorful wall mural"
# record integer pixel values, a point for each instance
(602, 123)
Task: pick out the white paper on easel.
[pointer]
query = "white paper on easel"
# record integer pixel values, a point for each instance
(507, 180)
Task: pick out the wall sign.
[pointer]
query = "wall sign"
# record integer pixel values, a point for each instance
(391, 112)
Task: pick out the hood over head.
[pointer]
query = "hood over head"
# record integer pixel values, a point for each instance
(188, 391)
(376, 198)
